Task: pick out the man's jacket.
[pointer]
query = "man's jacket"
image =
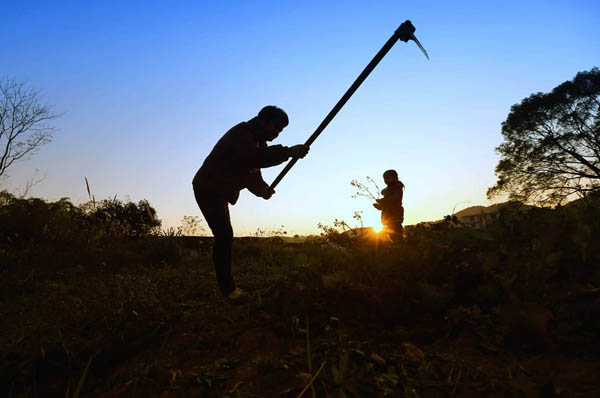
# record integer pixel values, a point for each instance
(235, 163)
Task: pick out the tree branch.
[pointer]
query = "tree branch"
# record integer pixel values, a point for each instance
(22, 124)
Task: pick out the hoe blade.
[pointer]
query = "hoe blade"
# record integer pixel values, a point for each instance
(414, 38)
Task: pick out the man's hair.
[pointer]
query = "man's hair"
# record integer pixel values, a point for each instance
(271, 113)
(390, 173)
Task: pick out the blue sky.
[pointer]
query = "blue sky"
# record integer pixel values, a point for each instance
(146, 89)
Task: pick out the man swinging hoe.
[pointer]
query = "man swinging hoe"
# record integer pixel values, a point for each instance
(235, 162)
(232, 165)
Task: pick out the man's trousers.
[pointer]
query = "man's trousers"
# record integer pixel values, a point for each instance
(216, 214)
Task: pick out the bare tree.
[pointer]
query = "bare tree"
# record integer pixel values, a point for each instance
(23, 123)
(30, 183)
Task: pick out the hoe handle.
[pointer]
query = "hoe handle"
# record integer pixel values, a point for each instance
(401, 33)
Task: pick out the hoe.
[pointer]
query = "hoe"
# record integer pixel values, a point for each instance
(405, 32)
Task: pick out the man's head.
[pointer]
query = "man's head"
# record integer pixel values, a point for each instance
(390, 176)
(271, 121)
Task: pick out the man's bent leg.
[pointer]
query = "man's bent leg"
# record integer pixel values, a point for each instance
(216, 214)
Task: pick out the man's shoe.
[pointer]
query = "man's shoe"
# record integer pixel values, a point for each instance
(238, 296)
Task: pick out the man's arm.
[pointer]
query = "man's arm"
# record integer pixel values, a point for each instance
(246, 151)
(258, 186)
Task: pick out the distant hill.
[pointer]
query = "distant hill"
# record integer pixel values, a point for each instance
(592, 198)
(478, 210)
(479, 216)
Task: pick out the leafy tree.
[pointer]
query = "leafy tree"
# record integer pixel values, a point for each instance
(123, 218)
(551, 147)
(35, 220)
(23, 123)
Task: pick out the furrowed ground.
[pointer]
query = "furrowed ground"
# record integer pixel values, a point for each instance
(509, 311)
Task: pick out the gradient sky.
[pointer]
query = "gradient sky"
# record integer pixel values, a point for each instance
(146, 88)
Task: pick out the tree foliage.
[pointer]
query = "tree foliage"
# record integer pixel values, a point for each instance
(34, 219)
(125, 219)
(23, 123)
(551, 148)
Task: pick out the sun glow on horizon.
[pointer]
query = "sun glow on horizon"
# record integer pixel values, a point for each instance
(378, 227)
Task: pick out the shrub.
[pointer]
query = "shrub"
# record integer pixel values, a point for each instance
(34, 220)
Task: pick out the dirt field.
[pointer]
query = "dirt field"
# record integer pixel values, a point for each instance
(106, 325)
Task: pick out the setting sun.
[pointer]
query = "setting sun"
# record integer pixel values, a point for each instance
(378, 227)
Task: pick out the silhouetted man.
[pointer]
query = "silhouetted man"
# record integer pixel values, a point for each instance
(232, 165)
